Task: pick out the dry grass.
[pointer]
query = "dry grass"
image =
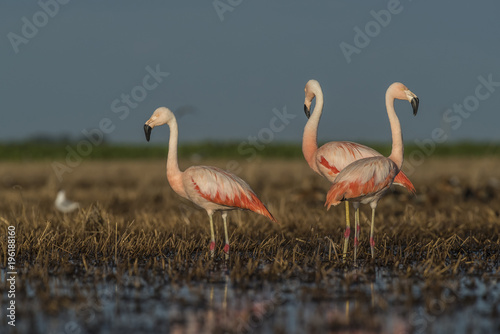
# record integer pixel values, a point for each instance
(131, 216)
(133, 224)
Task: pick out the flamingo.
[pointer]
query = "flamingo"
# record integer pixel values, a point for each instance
(366, 180)
(332, 157)
(211, 188)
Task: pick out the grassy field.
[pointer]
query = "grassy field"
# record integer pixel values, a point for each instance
(136, 250)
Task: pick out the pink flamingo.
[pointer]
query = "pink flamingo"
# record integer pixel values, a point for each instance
(366, 180)
(211, 188)
(332, 157)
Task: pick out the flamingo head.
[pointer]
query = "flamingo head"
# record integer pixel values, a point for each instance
(161, 116)
(401, 92)
(311, 90)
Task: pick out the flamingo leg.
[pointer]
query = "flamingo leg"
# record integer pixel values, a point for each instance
(356, 232)
(212, 240)
(347, 230)
(372, 241)
(226, 246)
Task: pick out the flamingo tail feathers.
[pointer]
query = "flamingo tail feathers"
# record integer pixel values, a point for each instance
(402, 180)
(244, 200)
(336, 194)
(254, 204)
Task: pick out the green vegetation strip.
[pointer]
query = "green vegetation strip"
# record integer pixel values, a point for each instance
(233, 150)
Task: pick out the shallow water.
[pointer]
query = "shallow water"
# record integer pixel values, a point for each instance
(354, 301)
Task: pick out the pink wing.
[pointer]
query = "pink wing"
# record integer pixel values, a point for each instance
(333, 157)
(221, 187)
(363, 178)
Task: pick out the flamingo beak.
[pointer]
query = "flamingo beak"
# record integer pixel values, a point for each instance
(414, 104)
(413, 100)
(307, 111)
(147, 131)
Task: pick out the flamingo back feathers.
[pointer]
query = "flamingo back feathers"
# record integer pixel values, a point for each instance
(221, 187)
(332, 157)
(332, 169)
(360, 179)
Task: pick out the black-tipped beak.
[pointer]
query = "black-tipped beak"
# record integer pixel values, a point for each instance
(147, 131)
(414, 104)
(307, 111)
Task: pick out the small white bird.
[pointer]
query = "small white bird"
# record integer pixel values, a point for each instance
(65, 205)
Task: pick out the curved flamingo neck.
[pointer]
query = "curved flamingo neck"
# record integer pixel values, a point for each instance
(310, 137)
(172, 165)
(397, 136)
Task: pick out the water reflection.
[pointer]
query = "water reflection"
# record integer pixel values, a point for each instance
(349, 302)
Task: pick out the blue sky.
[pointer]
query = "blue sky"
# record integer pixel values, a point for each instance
(234, 67)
